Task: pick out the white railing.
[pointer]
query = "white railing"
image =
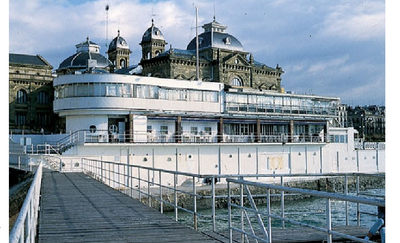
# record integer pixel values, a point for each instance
(369, 145)
(24, 229)
(245, 226)
(163, 188)
(104, 136)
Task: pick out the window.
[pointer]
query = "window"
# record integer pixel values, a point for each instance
(92, 129)
(123, 63)
(236, 81)
(43, 119)
(193, 130)
(20, 118)
(149, 129)
(111, 90)
(42, 98)
(164, 130)
(207, 130)
(22, 96)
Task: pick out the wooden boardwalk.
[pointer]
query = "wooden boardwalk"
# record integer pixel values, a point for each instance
(76, 208)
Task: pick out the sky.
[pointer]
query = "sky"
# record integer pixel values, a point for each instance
(329, 48)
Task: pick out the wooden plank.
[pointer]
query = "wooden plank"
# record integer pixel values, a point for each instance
(76, 208)
(295, 235)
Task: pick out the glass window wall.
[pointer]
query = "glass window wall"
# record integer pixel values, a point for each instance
(133, 91)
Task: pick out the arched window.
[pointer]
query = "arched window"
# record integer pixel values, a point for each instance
(22, 96)
(236, 81)
(122, 63)
(42, 98)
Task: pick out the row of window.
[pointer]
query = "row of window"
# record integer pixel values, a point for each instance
(22, 97)
(42, 119)
(133, 91)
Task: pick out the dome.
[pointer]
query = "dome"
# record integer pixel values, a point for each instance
(214, 35)
(217, 40)
(87, 54)
(152, 33)
(118, 42)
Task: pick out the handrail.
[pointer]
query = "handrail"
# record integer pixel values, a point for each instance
(148, 184)
(24, 229)
(244, 184)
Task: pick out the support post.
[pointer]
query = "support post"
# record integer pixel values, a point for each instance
(220, 134)
(328, 221)
(178, 130)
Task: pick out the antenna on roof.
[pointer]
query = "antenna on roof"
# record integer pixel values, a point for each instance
(107, 8)
(197, 46)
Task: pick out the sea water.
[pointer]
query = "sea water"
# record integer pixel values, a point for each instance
(310, 211)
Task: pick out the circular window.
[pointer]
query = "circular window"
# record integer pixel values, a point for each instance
(113, 128)
(92, 129)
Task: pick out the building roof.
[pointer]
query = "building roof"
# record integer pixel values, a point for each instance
(87, 56)
(24, 59)
(118, 42)
(214, 35)
(152, 33)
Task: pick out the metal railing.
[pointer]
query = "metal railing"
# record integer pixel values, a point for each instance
(187, 192)
(59, 147)
(24, 229)
(104, 136)
(267, 215)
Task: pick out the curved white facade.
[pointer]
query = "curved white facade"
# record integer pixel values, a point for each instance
(148, 109)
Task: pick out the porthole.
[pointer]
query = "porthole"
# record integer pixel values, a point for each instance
(92, 129)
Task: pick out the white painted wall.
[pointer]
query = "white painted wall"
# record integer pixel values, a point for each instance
(75, 123)
(242, 158)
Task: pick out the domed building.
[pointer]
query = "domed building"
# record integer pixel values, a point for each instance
(118, 52)
(222, 58)
(86, 59)
(153, 42)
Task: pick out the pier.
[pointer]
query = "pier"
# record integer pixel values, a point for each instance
(77, 208)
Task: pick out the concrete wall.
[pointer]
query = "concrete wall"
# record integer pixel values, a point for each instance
(239, 158)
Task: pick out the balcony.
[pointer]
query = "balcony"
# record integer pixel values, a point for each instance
(187, 137)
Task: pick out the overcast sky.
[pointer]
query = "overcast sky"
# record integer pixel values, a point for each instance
(331, 48)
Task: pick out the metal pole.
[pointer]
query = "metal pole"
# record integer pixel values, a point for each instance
(358, 204)
(197, 47)
(282, 205)
(346, 191)
(241, 213)
(148, 188)
(161, 202)
(194, 204)
(175, 197)
(269, 223)
(328, 220)
(139, 179)
(229, 214)
(213, 201)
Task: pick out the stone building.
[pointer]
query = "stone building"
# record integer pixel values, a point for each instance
(30, 94)
(222, 58)
(369, 121)
(118, 52)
